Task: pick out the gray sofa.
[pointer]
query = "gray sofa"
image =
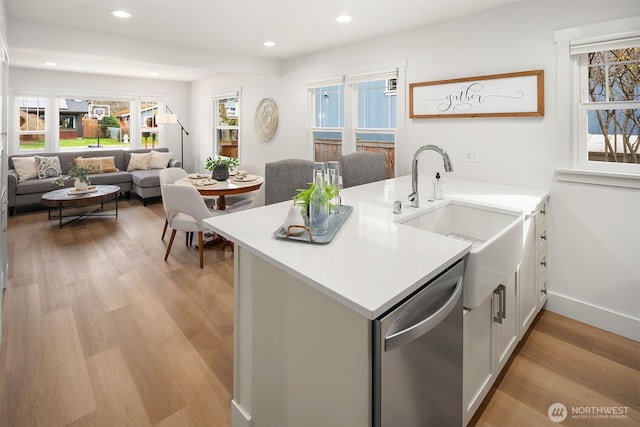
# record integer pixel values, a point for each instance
(144, 183)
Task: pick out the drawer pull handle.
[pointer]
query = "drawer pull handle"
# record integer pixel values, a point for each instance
(543, 263)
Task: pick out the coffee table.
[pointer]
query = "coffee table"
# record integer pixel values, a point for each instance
(64, 199)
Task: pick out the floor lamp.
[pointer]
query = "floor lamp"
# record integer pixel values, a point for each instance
(170, 118)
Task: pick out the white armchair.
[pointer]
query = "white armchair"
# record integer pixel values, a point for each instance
(186, 210)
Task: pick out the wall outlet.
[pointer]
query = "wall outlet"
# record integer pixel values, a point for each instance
(471, 155)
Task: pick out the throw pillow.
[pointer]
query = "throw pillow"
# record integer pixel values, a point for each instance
(139, 161)
(48, 167)
(159, 160)
(25, 167)
(97, 164)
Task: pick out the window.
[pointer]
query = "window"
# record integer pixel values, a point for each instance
(355, 113)
(226, 110)
(376, 126)
(609, 108)
(32, 123)
(148, 125)
(92, 123)
(327, 100)
(599, 103)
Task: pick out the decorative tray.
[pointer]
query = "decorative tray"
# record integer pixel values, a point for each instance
(89, 189)
(335, 222)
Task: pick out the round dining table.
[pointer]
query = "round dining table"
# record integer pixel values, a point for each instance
(210, 187)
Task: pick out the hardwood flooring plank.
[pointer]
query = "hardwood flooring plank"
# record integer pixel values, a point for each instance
(538, 386)
(150, 372)
(65, 372)
(582, 367)
(215, 349)
(23, 326)
(503, 410)
(118, 402)
(91, 323)
(196, 381)
(614, 347)
(182, 418)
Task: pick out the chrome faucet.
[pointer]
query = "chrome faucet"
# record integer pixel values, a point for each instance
(448, 167)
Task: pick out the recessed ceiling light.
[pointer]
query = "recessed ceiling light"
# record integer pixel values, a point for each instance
(120, 14)
(343, 18)
(50, 64)
(268, 43)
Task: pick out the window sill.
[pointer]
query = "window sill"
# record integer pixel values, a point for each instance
(612, 179)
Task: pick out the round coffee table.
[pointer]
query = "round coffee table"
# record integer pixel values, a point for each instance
(65, 198)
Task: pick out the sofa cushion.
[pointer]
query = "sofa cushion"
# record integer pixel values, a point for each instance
(26, 167)
(145, 178)
(139, 161)
(159, 160)
(110, 178)
(97, 164)
(42, 185)
(48, 166)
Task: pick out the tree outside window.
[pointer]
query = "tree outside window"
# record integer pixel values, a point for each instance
(613, 113)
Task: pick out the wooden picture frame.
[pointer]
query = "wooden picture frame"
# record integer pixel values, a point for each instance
(498, 95)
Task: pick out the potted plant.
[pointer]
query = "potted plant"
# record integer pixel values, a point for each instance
(78, 173)
(302, 198)
(219, 167)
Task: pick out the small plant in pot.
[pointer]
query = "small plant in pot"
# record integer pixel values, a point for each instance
(79, 173)
(304, 195)
(219, 167)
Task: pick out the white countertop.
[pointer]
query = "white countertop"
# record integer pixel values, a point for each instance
(374, 261)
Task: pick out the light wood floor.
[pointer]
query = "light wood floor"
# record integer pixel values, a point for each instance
(100, 331)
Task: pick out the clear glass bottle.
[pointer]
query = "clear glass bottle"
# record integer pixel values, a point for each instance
(319, 207)
(333, 179)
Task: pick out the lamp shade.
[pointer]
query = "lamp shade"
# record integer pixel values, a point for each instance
(166, 118)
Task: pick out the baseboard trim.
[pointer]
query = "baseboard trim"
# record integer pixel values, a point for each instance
(600, 317)
(239, 417)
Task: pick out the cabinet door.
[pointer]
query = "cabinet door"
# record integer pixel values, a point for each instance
(477, 356)
(505, 322)
(527, 283)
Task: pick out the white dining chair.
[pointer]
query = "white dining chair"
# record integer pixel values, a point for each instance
(186, 211)
(171, 176)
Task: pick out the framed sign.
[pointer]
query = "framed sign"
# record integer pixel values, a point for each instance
(498, 95)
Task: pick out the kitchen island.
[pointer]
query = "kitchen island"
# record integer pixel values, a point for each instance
(303, 312)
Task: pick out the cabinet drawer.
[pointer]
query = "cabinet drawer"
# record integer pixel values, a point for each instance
(541, 237)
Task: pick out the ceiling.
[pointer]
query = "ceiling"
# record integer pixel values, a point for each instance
(186, 40)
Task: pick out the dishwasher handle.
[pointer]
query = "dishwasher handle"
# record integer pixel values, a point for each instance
(416, 330)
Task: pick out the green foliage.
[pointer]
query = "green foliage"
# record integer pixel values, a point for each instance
(229, 162)
(110, 121)
(302, 198)
(78, 172)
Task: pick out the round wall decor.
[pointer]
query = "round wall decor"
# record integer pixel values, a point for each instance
(266, 119)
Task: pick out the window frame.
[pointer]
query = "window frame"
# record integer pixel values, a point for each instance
(573, 164)
(45, 132)
(215, 116)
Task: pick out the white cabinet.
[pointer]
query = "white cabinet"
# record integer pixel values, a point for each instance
(477, 376)
(532, 277)
(489, 337)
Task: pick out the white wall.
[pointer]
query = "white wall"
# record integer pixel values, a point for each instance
(53, 83)
(594, 242)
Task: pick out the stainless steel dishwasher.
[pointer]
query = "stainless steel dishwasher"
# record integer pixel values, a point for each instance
(417, 357)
